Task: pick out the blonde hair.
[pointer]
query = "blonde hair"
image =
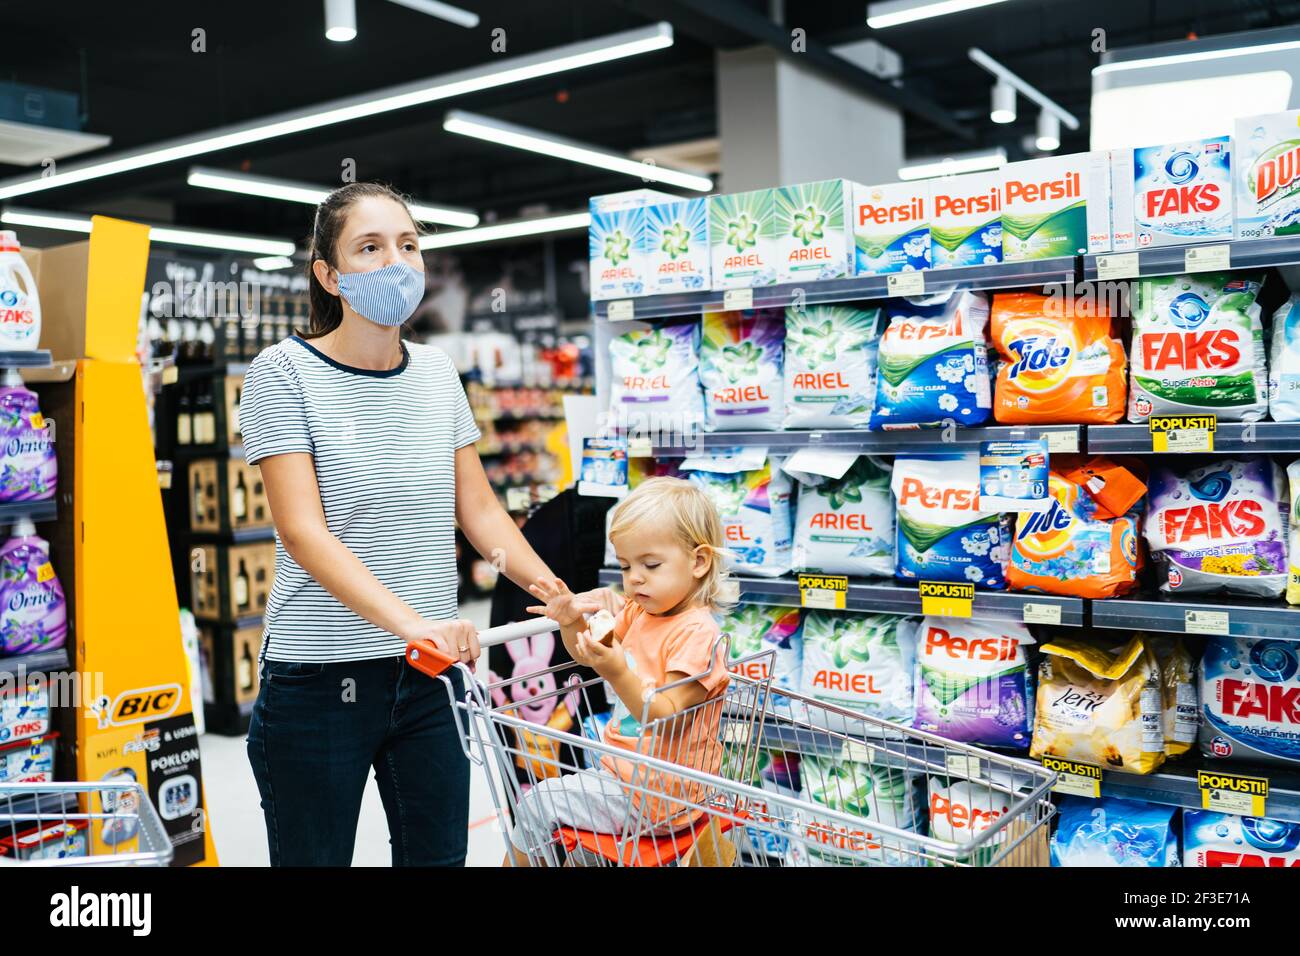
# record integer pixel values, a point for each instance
(685, 510)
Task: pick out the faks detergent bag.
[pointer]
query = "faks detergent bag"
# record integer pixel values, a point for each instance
(1211, 838)
(740, 369)
(1250, 700)
(934, 362)
(1060, 365)
(830, 365)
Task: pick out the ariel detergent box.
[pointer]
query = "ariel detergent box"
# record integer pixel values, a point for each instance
(1268, 175)
(742, 239)
(891, 228)
(966, 220)
(812, 226)
(1182, 192)
(675, 246)
(615, 243)
(1056, 206)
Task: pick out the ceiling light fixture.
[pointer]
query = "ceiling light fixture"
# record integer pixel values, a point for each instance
(954, 164)
(272, 263)
(1008, 85)
(548, 144)
(1049, 132)
(269, 188)
(443, 11)
(498, 73)
(892, 13)
(340, 20)
(565, 222)
(1171, 59)
(169, 235)
(1004, 103)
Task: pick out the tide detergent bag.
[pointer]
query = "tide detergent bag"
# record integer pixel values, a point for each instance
(1061, 364)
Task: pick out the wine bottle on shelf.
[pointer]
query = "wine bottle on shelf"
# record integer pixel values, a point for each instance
(187, 354)
(239, 500)
(205, 419)
(206, 350)
(266, 329)
(199, 503)
(234, 412)
(242, 599)
(246, 670)
(172, 342)
(184, 419)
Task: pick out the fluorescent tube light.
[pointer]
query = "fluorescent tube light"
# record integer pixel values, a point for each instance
(443, 11)
(497, 73)
(891, 13)
(548, 144)
(566, 222)
(271, 263)
(1173, 58)
(270, 188)
(169, 235)
(954, 164)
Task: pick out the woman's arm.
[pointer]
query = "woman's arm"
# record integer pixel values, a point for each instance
(489, 528)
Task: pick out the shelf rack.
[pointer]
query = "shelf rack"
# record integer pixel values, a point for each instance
(38, 662)
(1061, 439)
(1245, 617)
(1242, 254)
(1254, 438)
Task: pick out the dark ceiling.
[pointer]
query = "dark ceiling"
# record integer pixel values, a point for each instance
(142, 83)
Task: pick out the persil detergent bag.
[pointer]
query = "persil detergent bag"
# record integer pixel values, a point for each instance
(972, 681)
(1250, 700)
(846, 525)
(1198, 348)
(754, 628)
(861, 662)
(1293, 548)
(741, 356)
(654, 378)
(942, 533)
(1219, 527)
(960, 810)
(845, 799)
(1284, 363)
(1113, 831)
(754, 507)
(1061, 363)
(934, 362)
(830, 365)
(1211, 838)
(1099, 706)
(1070, 549)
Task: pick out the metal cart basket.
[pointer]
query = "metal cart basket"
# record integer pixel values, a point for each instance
(56, 824)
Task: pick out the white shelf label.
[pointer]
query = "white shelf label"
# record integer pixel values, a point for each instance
(905, 283)
(1042, 613)
(736, 732)
(518, 499)
(857, 751)
(1207, 258)
(620, 310)
(1064, 443)
(1119, 265)
(734, 299)
(1205, 622)
(963, 765)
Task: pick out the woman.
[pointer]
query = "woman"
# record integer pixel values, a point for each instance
(366, 445)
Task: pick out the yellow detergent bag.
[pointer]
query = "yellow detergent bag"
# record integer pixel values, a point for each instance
(1100, 707)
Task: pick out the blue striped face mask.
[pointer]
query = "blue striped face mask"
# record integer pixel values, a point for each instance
(386, 296)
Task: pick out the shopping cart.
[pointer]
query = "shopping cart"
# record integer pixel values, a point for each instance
(754, 776)
(60, 824)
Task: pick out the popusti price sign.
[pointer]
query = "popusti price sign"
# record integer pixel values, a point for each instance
(1078, 779)
(1182, 434)
(823, 590)
(1232, 793)
(945, 599)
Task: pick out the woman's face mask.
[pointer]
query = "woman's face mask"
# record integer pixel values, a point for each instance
(386, 296)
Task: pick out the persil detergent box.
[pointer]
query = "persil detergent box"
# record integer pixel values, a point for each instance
(812, 224)
(966, 220)
(1268, 175)
(615, 242)
(1123, 231)
(1056, 206)
(675, 246)
(742, 240)
(891, 228)
(1250, 694)
(1211, 838)
(1182, 192)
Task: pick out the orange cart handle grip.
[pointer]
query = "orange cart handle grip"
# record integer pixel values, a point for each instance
(426, 657)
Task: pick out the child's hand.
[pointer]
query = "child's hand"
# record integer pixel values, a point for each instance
(607, 598)
(608, 662)
(561, 605)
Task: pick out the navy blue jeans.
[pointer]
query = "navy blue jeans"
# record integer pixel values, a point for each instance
(316, 731)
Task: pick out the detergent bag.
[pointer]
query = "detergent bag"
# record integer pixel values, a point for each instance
(1113, 831)
(1225, 839)
(830, 365)
(873, 794)
(860, 662)
(1181, 694)
(655, 380)
(1293, 548)
(1250, 699)
(741, 357)
(754, 507)
(1284, 363)
(934, 362)
(846, 525)
(759, 627)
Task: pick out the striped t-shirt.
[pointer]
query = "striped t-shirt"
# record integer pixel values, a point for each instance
(384, 445)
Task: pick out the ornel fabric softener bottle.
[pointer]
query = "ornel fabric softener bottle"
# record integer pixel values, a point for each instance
(33, 612)
(28, 468)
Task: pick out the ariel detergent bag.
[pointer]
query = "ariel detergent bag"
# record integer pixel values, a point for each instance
(754, 628)
(1225, 839)
(655, 378)
(1250, 700)
(754, 507)
(830, 365)
(869, 793)
(1219, 527)
(942, 533)
(934, 362)
(860, 662)
(846, 525)
(741, 358)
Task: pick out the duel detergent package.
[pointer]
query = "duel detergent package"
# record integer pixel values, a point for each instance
(934, 362)
(972, 681)
(654, 376)
(1198, 347)
(1267, 187)
(846, 525)
(830, 365)
(1250, 700)
(1225, 839)
(741, 359)
(754, 507)
(860, 662)
(943, 535)
(1113, 831)
(1061, 362)
(1100, 706)
(1219, 527)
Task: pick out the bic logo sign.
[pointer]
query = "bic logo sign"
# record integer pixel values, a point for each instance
(137, 706)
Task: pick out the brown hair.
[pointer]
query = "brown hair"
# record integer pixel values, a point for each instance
(326, 311)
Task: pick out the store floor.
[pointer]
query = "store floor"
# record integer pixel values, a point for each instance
(236, 813)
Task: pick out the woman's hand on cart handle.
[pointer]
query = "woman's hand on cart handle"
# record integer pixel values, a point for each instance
(457, 639)
(561, 605)
(608, 598)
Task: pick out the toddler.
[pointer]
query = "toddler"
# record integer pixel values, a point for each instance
(668, 540)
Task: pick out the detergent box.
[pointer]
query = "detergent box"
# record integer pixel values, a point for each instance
(1056, 206)
(24, 712)
(675, 246)
(1268, 175)
(742, 246)
(812, 225)
(1182, 192)
(616, 242)
(966, 220)
(891, 228)
(1123, 231)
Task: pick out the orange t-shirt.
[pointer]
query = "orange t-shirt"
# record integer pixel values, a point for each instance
(655, 646)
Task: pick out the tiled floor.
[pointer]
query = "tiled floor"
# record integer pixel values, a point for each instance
(236, 816)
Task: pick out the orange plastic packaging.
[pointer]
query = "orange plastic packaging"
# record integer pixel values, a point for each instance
(1061, 363)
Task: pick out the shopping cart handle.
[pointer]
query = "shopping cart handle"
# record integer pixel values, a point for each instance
(425, 656)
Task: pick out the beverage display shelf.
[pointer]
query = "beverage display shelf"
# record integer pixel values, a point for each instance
(1061, 438)
(1190, 614)
(206, 370)
(1242, 254)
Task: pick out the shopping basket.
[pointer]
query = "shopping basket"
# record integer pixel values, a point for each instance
(761, 777)
(60, 824)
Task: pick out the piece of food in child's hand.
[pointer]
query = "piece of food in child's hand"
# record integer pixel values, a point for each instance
(601, 627)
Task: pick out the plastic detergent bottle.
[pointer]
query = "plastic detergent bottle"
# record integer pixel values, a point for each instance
(20, 306)
(33, 612)
(29, 470)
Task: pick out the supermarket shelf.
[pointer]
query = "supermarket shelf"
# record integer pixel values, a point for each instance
(1258, 438)
(1243, 254)
(889, 598)
(187, 452)
(238, 536)
(52, 803)
(36, 358)
(1175, 784)
(192, 372)
(55, 659)
(1062, 437)
(1246, 617)
(1001, 275)
(46, 510)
